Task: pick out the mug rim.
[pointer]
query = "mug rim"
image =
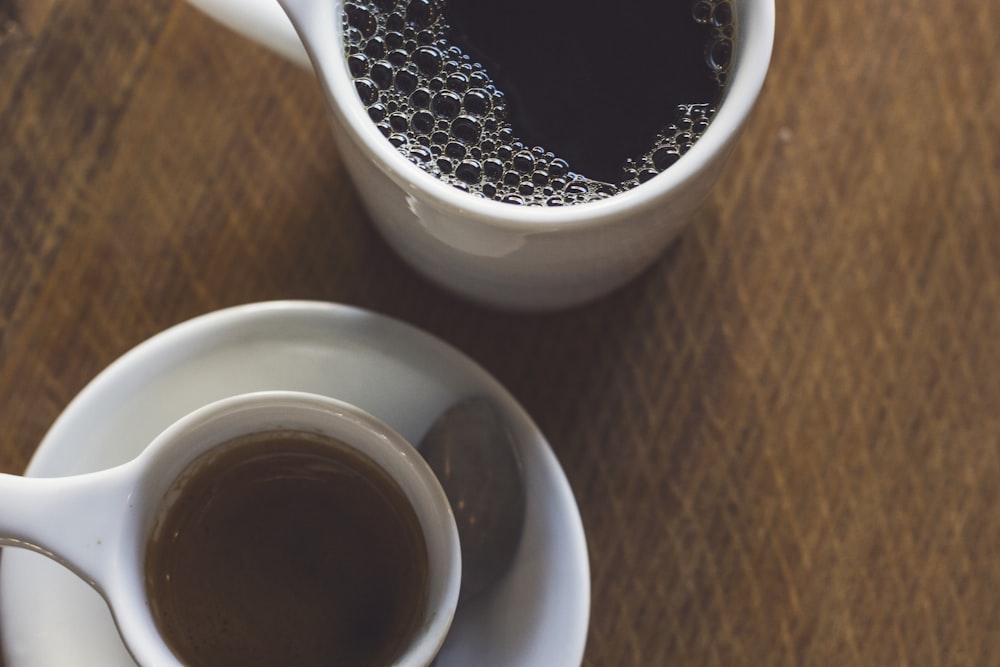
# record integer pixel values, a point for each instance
(751, 60)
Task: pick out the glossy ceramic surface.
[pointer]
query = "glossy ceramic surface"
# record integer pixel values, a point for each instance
(537, 615)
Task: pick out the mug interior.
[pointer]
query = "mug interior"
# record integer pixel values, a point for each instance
(753, 44)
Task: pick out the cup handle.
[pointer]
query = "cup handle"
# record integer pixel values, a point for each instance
(77, 521)
(315, 21)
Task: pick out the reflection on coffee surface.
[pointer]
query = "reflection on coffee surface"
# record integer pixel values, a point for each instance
(545, 102)
(287, 549)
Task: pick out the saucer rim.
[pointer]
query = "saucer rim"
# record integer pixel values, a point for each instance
(175, 339)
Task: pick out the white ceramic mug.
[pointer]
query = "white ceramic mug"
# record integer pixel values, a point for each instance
(98, 524)
(525, 257)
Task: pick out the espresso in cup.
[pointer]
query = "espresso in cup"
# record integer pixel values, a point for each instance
(545, 103)
(287, 548)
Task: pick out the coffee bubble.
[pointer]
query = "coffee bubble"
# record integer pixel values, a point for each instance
(442, 110)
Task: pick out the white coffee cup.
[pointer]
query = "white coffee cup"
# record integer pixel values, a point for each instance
(523, 257)
(98, 524)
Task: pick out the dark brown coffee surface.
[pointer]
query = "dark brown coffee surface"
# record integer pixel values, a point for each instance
(287, 549)
(592, 85)
(546, 103)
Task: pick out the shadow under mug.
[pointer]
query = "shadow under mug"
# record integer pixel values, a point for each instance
(527, 257)
(98, 524)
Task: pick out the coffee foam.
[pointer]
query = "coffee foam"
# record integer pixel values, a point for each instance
(442, 111)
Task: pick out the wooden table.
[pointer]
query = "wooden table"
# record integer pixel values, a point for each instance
(784, 438)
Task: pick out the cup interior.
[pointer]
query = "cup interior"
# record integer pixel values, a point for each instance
(323, 37)
(185, 441)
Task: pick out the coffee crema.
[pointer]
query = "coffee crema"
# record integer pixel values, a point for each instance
(545, 103)
(287, 548)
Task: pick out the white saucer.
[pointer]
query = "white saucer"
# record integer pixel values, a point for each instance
(538, 615)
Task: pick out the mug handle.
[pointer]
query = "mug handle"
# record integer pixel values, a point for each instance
(316, 23)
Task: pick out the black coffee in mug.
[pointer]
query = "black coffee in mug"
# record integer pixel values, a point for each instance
(287, 548)
(540, 101)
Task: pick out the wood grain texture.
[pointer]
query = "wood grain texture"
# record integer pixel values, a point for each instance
(784, 437)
